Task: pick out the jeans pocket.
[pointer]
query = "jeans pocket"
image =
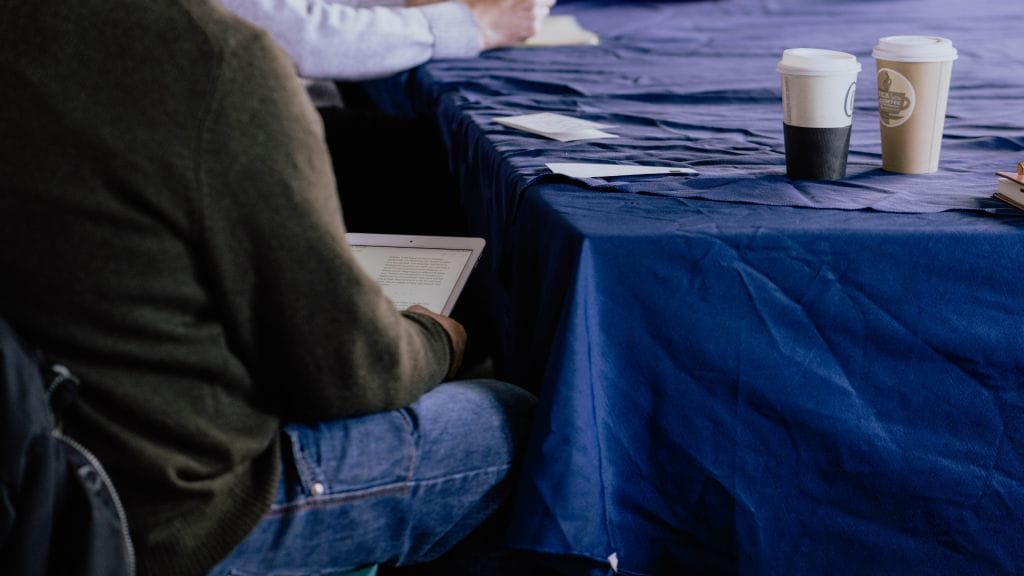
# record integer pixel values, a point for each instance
(354, 454)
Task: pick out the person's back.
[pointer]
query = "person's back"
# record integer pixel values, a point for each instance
(99, 192)
(169, 228)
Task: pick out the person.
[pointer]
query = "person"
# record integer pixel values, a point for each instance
(355, 40)
(170, 231)
(337, 43)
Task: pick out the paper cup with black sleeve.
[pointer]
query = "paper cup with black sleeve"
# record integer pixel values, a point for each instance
(913, 87)
(818, 87)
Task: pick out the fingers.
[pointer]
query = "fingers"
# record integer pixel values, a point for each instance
(508, 22)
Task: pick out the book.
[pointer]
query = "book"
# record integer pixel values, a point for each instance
(1011, 192)
(1010, 187)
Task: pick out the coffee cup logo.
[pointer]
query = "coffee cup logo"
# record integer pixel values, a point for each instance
(896, 97)
(848, 104)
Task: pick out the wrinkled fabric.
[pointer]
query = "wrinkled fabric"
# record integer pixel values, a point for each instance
(695, 85)
(739, 373)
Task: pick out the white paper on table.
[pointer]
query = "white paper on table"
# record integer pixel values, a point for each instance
(557, 126)
(589, 170)
(561, 30)
(580, 135)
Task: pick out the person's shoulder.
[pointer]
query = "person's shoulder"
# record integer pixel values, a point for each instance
(236, 42)
(226, 32)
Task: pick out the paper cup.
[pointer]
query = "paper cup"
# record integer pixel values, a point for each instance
(913, 87)
(818, 88)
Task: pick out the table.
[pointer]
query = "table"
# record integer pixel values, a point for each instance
(739, 373)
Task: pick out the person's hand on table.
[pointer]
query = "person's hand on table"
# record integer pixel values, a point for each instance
(508, 22)
(456, 333)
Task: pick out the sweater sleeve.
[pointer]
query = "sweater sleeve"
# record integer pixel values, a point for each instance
(318, 335)
(333, 40)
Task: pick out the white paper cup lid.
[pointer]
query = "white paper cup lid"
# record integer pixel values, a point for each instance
(914, 49)
(817, 62)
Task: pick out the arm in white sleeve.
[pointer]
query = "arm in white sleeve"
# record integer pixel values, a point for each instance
(367, 3)
(331, 39)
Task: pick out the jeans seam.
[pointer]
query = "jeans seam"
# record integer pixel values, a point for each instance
(306, 476)
(415, 446)
(488, 470)
(328, 501)
(335, 499)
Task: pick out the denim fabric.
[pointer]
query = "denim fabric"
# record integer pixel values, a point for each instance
(398, 487)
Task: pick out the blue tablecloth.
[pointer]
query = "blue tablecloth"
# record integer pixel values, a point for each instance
(740, 373)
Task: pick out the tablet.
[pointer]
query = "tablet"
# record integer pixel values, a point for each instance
(426, 270)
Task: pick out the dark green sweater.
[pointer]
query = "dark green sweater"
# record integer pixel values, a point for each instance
(169, 228)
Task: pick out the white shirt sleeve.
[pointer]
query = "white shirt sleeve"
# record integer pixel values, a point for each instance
(331, 39)
(366, 3)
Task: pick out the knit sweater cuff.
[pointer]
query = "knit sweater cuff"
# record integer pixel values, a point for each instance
(441, 344)
(455, 31)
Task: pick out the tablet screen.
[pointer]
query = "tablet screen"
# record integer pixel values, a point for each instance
(416, 270)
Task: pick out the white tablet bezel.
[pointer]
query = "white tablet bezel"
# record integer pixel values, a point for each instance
(472, 244)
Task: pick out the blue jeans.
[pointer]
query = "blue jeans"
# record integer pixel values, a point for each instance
(394, 488)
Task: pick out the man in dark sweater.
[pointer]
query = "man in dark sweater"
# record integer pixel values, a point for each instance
(170, 230)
